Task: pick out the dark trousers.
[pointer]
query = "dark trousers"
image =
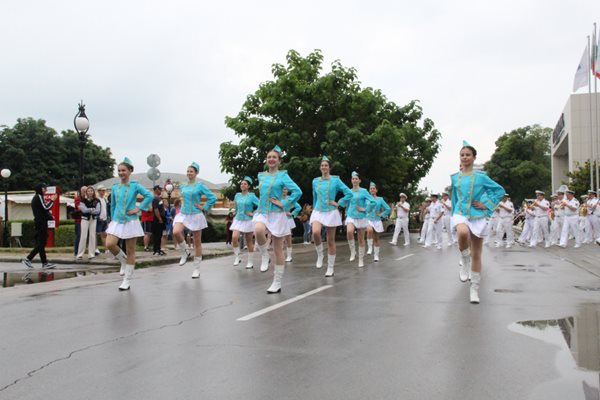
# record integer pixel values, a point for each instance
(157, 230)
(41, 236)
(77, 237)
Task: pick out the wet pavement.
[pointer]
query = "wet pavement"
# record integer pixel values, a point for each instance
(398, 329)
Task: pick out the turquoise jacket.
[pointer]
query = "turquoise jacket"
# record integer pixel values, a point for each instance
(474, 186)
(270, 185)
(294, 209)
(123, 198)
(245, 203)
(359, 198)
(325, 190)
(192, 194)
(379, 210)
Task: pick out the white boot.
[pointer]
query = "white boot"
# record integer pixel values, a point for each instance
(196, 273)
(184, 253)
(330, 264)
(361, 256)
(369, 246)
(250, 264)
(376, 253)
(352, 250)
(465, 265)
(319, 249)
(474, 291)
(264, 257)
(289, 254)
(123, 260)
(277, 277)
(237, 260)
(125, 285)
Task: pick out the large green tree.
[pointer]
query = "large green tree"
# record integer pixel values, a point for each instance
(579, 179)
(521, 162)
(309, 114)
(35, 153)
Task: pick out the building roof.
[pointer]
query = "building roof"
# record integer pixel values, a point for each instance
(142, 178)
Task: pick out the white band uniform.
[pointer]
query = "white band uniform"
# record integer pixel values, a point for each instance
(245, 226)
(376, 225)
(194, 222)
(329, 219)
(276, 222)
(125, 230)
(359, 223)
(477, 226)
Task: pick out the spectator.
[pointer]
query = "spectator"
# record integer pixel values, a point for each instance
(77, 218)
(228, 222)
(158, 209)
(305, 219)
(168, 228)
(90, 209)
(102, 222)
(41, 216)
(147, 218)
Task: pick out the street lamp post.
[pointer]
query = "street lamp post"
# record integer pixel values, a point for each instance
(5, 174)
(82, 125)
(169, 189)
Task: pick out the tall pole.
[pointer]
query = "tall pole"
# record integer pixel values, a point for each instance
(81, 146)
(596, 143)
(592, 158)
(6, 238)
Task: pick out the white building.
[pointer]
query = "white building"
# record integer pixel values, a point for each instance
(571, 140)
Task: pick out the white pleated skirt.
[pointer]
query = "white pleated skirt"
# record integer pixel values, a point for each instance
(125, 230)
(326, 218)
(276, 223)
(291, 223)
(244, 226)
(376, 225)
(359, 223)
(477, 226)
(194, 222)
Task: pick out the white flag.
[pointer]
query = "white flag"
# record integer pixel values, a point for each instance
(582, 76)
(597, 61)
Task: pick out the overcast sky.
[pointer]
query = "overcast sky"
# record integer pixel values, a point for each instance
(159, 77)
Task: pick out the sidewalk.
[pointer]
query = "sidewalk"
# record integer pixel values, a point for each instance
(12, 262)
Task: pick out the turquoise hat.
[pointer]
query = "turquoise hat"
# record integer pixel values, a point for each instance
(195, 165)
(372, 184)
(277, 149)
(127, 161)
(354, 173)
(324, 158)
(248, 179)
(465, 143)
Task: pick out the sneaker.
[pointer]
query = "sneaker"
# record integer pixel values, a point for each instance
(27, 262)
(288, 259)
(576, 246)
(97, 252)
(162, 253)
(438, 247)
(393, 243)
(146, 249)
(48, 265)
(474, 294)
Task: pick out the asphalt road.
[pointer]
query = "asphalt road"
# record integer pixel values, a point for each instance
(398, 329)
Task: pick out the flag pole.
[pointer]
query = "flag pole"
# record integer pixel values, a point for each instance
(591, 120)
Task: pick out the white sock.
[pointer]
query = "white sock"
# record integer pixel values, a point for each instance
(236, 251)
(330, 260)
(319, 249)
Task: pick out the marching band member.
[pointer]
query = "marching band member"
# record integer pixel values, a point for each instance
(245, 204)
(474, 197)
(325, 212)
(447, 209)
(434, 230)
(270, 217)
(378, 211)
(593, 233)
(191, 216)
(559, 218)
(426, 218)
(357, 205)
(124, 222)
(540, 223)
(571, 222)
(505, 222)
(402, 217)
(291, 214)
(528, 216)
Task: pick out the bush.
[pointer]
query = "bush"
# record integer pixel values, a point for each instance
(64, 236)
(28, 238)
(215, 232)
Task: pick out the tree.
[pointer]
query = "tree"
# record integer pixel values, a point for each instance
(521, 162)
(35, 153)
(309, 114)
(579, 179)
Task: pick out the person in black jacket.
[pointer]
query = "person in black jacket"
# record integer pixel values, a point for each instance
(41, 216)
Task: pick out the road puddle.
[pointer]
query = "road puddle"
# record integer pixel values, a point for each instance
(577, 360)
(10, 279)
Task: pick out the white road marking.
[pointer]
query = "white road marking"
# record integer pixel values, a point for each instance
(283, 303)
(403, 257)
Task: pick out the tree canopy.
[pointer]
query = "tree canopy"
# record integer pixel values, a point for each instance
(35, 153)
(521, 162)
(579, 179)
(310, 114)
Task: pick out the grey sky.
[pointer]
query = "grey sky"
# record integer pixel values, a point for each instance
(159, 77)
